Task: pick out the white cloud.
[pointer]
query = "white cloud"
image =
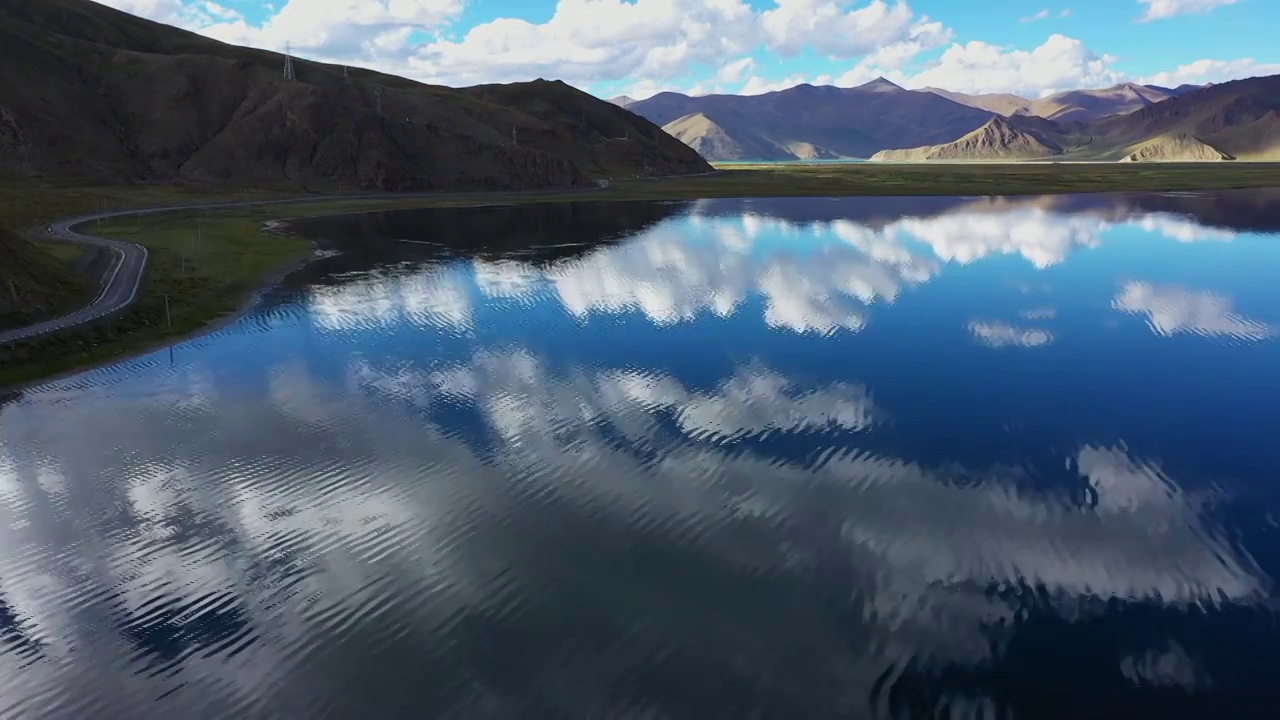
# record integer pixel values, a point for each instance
(1157, 9)
(1212, 71)
(1000, 334)
(596, 40)
(1171, 310)
(366, 30)
(1061, 63)
(182, 13)
(830, 29)
(1042, 15)
(734, 71)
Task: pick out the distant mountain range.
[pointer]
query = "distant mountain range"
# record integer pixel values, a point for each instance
(882, 121)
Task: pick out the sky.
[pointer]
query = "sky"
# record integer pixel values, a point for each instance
(640, 47)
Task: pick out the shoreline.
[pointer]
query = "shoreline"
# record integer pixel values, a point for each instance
(720, 184)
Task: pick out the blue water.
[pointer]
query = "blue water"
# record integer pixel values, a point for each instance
(801, 458)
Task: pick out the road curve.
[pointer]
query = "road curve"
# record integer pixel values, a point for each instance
(120, 284)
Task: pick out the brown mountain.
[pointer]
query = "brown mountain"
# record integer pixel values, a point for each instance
(96, 94)
(1240, 118)
(841, 122)
(1181, 148)
(711, 139)
(1089, 105)
(999, 103)
(1073, 105)
(998, 139)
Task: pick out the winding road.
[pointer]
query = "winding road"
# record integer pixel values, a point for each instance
(121, 283)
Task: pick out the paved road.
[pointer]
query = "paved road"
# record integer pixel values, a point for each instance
(120, 284)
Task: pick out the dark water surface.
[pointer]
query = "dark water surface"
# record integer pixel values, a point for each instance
(804, 458)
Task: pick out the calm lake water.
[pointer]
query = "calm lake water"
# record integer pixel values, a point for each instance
(802, 458)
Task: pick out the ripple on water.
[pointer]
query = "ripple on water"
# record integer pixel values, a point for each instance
(806, 467)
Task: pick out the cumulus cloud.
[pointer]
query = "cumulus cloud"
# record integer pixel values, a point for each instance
(1212, 71)
(375, 32)
(1061, 63)
(1157, 9)
(182, 13)
(1171, 310)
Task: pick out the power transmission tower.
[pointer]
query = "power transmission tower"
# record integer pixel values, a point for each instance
(513, 137)
(288, 62)
(378, 92)
(345, 72)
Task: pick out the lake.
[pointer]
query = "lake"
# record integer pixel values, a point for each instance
(793, 458)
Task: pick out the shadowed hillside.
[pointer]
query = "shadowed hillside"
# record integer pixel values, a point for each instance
(96, 94)
(33, 284)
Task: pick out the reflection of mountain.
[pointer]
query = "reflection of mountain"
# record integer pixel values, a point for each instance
(322, 541)
(723, 256)
(539, 232)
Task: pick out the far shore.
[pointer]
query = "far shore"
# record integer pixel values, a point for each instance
(237, 256)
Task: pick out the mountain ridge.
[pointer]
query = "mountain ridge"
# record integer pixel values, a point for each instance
(93, 93)
(881, 120)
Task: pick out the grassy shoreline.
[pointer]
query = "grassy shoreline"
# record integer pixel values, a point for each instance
(212, 263)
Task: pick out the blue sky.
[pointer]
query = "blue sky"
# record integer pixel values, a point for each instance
(638, 47)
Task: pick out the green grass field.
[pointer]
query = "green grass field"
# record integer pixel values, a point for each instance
(208, 280)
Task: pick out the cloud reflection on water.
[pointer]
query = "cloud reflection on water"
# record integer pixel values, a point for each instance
(680, 268)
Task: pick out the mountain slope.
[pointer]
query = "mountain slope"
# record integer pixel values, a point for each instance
(848, 122)
(1240, 118)
(1089, 105)
(1180, 148)
(999, 103)
(998, 139)
(711, 139)
(33, 284)
(96, 94)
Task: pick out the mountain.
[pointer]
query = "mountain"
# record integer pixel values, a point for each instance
(711, 139)
(1239, 118)
(1088, 105)
(1181, 148)
(998, 139)
(818, 121)
(1000, 103)
(1073, 105)
(622, 101)
(99, 95)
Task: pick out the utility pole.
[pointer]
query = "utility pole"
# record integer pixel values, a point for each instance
(167, 317)
(514, 142)
(378, 92)
(288, 62)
